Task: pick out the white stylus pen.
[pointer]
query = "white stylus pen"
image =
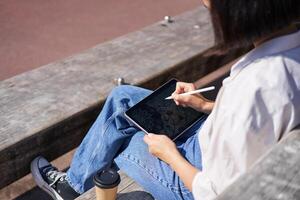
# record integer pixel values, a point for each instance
(195, 91)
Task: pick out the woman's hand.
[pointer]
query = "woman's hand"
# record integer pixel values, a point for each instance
(162, 147)
(196, 101)
(165, 149)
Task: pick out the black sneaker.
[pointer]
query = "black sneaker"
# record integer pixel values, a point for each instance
(52, 181)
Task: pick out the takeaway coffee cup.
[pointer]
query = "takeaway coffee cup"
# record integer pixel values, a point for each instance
(106, 184)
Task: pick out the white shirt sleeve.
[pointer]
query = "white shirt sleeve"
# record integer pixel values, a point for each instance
(202, 186)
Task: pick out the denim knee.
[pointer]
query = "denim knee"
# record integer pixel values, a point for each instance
(121, 89)
(127, 95)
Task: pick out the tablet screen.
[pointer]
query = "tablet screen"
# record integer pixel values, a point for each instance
(154, 114)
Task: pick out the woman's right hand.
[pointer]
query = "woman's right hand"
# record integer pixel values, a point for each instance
(196, 101)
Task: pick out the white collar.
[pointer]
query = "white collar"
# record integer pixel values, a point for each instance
(271, 47)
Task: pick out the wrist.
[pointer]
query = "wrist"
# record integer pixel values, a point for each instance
(185, 170)
(175, 158)
(209, 105)
(206, 106)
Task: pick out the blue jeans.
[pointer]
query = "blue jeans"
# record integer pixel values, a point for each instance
(112, 138)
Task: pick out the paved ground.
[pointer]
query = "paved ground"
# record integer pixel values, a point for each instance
(35, 32)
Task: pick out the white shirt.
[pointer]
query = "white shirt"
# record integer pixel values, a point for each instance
(258, 104)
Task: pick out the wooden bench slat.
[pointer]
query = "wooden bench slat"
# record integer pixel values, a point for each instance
(126, 181)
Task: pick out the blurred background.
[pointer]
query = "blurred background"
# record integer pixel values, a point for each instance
(37, 32)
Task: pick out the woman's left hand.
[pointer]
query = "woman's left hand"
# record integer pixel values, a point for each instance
(165, 149)
(162, 147)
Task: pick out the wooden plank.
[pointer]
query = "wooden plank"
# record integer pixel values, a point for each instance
(127, 190)
(275, 176)
(125, 182)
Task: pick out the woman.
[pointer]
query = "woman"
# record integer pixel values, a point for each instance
(257, 105)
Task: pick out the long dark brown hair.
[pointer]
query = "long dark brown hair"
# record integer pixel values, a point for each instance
(240, 22)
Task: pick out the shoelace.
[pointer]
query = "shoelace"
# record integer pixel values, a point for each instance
(56, 175)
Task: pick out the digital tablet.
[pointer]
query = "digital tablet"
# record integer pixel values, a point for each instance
(156, 115)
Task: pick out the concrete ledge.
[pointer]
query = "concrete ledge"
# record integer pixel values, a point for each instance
(274, 176)
(47, 111)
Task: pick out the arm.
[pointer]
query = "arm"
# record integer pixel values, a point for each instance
(165, 149)
(184, 169)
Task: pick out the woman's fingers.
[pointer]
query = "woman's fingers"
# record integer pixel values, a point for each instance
(182, 99)
(179, 88)
(147, 138)
(160, 146)
(182, 87)
(153, 143)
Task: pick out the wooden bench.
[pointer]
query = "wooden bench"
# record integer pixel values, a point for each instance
(47, 111)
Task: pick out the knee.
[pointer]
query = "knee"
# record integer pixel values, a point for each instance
(122, 90)
(127, 95)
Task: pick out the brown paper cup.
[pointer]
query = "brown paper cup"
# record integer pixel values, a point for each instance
(106, 184)
(106, 194)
